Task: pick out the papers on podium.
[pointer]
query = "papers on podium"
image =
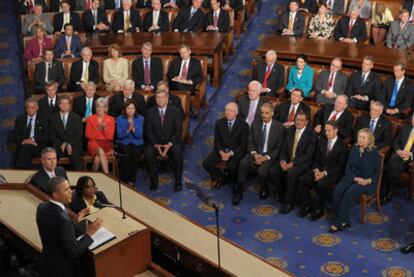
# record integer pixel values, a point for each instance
(101, 237)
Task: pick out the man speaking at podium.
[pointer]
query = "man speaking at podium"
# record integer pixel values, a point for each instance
(61, 250)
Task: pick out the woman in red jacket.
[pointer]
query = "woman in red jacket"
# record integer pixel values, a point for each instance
(35, 48)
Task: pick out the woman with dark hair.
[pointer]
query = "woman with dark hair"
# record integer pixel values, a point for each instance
(361, 177)
(321, 26)
(87, 196)
(380, 22)
(300, 76)
(129, 131)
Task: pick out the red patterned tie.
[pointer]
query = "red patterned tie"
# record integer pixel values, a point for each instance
(215, 18)
(333, 117)
(31, 6)
(330, 82)
(184, 71)
(147, 74)
(350, 28)
(291, 115)
(267, 74)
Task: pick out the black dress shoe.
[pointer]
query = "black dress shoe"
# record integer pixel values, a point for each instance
(237, 197)
(287, 209)
(316, 215)
(386, 199)
(407, 249)
(263, 194)
(178, 186)
(217, 184)
(154, 184)
(337, 228)
(304, 211)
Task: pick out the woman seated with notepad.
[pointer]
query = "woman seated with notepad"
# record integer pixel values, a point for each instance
(87, 196)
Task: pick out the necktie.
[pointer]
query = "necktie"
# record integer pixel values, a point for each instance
(267, 74)
(29, 127)
(31, 6)
(409, 144)
(147, 74)
(95, 17)
(127, 22)
(155, 16)
(51, 103)
(350, 28)
(184, 71)
(262, 140)
(330, 82)
(295, 145)
(252, 113)
(68, 42)
(215, 20)
(362, 79)
(291, 116)
(64, 120)
(48, 72)
(88, 111)
(329, 148)
(372, 125)
(333, 117)
(230, 125)
(192, 13)
(394, 94)
(162, 117)
(86, 73)
(290, 24)
(402, 25)
(88, 4)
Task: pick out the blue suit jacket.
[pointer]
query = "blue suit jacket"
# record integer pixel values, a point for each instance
(76, 46)
(304, 83)
(135, 138)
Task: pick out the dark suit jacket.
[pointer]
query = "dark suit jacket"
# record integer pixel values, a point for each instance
(170, 131)
(163, 21)
(78, 204)
(56, 74)
(45, 109)
(370, 88)
(61, 47)
(298, 23)
(118, 20)
(79, 105)
(402, 139)
(194, 70)
(234, 140)
(234, 4)
(334, 162)
(116, 104)
(41, 130)
(274, 140)
(138, 72)
(141, 4)
(61, 250)
(74, 19)
(55, 5)
(40, 178)
(359, 30)
(338, 7)
(110, 5)
(24, 8)
(244, 105)
(282, 111)
(76, 74)
(183, 22)
(89, 22)
(404, 96)
(223, 21)
(345, 121)
(73, 133)
(310, 5)
(382, 130)
(276, 78)
(305, 150)
(172, 100)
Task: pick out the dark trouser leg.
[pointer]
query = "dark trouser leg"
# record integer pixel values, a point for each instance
(263, 172)
(395, 166)
(276, 177)
(339, 191)
(175, 154)
(349, 197)
(359, 104)
(151, 158)
(233, 165)
(324, 190)
(136, 152)
(125, 166)
(25, 154)
(292, 177)
(209, 164)
(75, 159)
(305, 184)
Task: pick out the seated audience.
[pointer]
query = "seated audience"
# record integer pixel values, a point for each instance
(29, 6)
(364, 85)
(330, 83)
(68, 45)
(94, 18)
(147, 70)
(321, 26)
(296, 156)
(249, 105)
(48, 170)
(327, 169)
(36, 47)
(126, 19)
(308, 6)
(85, 105)
(172, 99)
(376, 123)
(156, 20)
(163, 129)
(230, 141)
(217, 19)
(35, 20)
(116, 104)
(115, 69)
(337, 113)
(361, 177)
(100, 130)
(48, 105)
(291, 22)
(397, 92)
(380, 23)
(66, 133)
(190, 18)
(83, 71)
(351, 29)
(83, 5)
(130, 134)
(336, 7)
(364, 7)
(287, 111)
(300, 76)
(66, 16)
(174, 4)
(31, 134)
(49, 70)
(87, 196)
(270, 74)
(401, 32)
(263, 146)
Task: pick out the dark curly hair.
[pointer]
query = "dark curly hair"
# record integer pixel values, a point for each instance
(81, 184)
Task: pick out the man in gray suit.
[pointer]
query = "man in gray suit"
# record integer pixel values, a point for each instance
(330, 83)
(401, 32)
(36, 19)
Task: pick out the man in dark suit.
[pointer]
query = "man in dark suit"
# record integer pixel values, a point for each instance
(190, 18)
(397, 92)
(84, 105)
(48, 105)
(27, 6)
(66, 133)
(336, 7)
(174, 4)
(217, 20)
(83, 71)
(291, 22)
(296, 155)
(263, 146)
(163, 128)
(112, 4)
(230, 142)
(127, 19)
(330, 83)
(147, 70)
(364, 85)
(379, 126)
(49, 70)
(55, 5)
(270, 74)
(61, 249)
(31, 134)
(143, 4)
(48, 170)
(83, 5)
(236, 5)
(116, 104)
(156, 20)
(351, 29)
(65, 17)
(172, 99)
(327, 169)
(287, 111)
(95, 19)
(68, 45)
(249, 105)
(337, 113)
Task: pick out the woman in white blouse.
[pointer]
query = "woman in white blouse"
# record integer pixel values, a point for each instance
(115, 69)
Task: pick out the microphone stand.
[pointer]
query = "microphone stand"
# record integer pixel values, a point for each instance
(118, 160)
(216, 212)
